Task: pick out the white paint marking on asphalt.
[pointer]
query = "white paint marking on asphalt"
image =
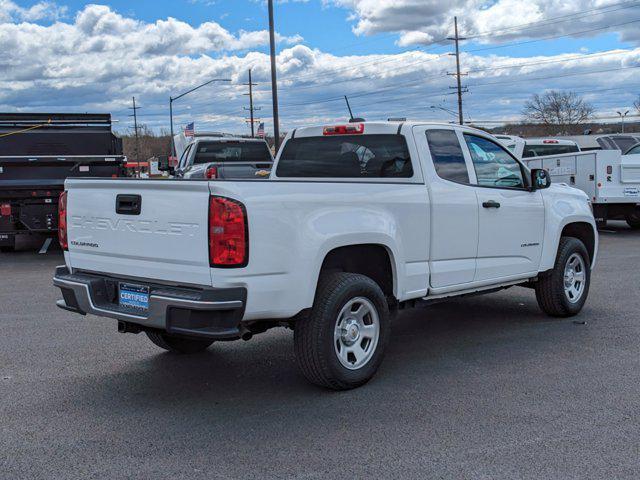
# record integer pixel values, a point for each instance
(45, 246)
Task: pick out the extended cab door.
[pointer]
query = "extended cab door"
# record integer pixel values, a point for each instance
(454, 208)
(511, 217)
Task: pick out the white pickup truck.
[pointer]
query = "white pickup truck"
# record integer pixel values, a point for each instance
(356, 222)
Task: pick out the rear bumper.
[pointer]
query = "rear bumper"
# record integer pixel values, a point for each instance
(202, 312)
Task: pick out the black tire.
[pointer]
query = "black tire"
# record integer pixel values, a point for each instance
(315, 344)
(633, 219)
(550, 288)
(178, 344)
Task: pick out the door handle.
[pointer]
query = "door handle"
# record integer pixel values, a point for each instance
(128, 204)
(491, 204)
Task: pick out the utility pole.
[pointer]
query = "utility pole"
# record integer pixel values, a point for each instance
(251, 108)
(346, 99)
(458, 74)
(274, 80)
(135, 127)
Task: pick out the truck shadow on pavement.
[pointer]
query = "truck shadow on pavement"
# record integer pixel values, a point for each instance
(499, 334)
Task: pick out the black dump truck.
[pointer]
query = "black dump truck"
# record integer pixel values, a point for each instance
(37, 153)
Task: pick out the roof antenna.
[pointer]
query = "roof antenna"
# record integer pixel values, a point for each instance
(352, 119)
(349, 108)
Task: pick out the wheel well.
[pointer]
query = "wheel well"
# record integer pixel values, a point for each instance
(373, 261)
(584, 232)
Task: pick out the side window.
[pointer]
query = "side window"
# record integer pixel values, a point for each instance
(447, 155)
(183, 159)
(493, 165)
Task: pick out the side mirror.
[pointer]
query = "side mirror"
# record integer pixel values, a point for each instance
(540, 179)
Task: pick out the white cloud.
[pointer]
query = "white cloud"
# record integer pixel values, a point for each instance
(423, 21)
(46, 10)
(98, 60)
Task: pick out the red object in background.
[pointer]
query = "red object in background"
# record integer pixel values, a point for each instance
(5, 210)
(173, 161)
(211, 173)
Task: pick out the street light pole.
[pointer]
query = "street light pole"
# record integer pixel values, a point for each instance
(173, 99)
(274, 80)
(622, 116)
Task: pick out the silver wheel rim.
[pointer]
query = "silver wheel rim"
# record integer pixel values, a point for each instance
(356, 333)
(575, 278)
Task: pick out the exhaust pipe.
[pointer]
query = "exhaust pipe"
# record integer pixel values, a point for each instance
(125, 327)
(246, 334)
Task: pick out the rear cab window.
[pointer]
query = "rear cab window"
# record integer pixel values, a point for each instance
(232, 151)
(446, 153)
(346, 156)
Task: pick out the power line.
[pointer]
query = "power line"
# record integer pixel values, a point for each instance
(440, 41)
(559, 19)
(552, 37)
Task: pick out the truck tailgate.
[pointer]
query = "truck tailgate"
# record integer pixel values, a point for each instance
(167, 240)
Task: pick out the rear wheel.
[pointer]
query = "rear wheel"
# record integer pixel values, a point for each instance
(341, 343)
(563, 291)
(633, 219)
(178, 344)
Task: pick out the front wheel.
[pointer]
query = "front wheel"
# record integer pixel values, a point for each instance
(178, 344)
(341, 343)
(633, 219)
(563, 291)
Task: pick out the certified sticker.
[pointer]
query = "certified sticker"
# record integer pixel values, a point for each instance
(632, 192)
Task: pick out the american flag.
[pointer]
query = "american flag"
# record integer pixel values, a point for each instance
(261, 130)
(190, 130)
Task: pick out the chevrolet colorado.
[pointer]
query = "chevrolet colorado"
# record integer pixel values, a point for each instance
(356, 222)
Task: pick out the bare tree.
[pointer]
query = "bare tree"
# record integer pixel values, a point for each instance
(150, 143)
(637, 104)
(557, 108)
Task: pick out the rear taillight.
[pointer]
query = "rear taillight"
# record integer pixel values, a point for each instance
(211, 173)
(351, 129)
(228, 233)
(5, 210)
(62, 221)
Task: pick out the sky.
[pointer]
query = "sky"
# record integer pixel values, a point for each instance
(390, 57)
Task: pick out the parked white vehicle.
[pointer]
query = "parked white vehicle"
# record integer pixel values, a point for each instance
(611, 141)
(610, 179)
(356, 222)
(536, 147)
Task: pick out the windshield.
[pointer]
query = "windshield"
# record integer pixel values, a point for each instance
(548, 149)
(346, 156)
(634, 151)
(232, 151)
(624, 143)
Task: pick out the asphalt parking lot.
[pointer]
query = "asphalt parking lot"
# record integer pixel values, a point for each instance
(480, 388)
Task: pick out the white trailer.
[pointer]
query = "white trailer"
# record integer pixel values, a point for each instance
(611, 180)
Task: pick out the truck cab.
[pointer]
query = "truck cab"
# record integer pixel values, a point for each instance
(225, 157)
